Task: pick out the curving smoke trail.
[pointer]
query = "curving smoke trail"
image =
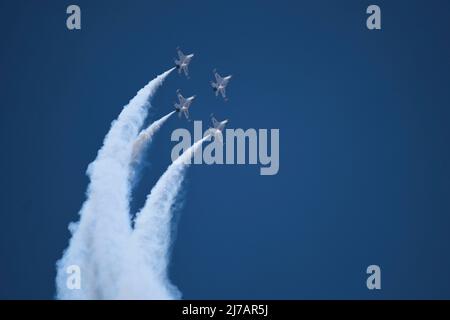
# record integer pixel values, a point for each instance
(141, 144)
(100, 239)
(146, 135)
(151, 237)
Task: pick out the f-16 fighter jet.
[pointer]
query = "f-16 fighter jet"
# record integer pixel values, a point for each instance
(182, 107)
(216, 132)
(183, 61)
(220, 84)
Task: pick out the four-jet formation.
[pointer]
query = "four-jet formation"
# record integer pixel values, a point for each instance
(182, 107)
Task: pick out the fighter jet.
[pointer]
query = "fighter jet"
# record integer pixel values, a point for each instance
(182, 107)
(183, 62)
(216, 132)
(220, 84)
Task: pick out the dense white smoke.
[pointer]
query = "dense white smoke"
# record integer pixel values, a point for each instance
(152, 233)
(100, 240)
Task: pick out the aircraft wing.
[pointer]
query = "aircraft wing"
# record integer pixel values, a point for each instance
(221, 126)
(181, 99)
(223, 91)
(180, 54)
(215, 122)
(218, 78)
(186, 70)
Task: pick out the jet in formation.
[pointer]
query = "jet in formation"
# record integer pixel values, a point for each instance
(217, 129)
(182, 107)
(220, 85)
(183, 61)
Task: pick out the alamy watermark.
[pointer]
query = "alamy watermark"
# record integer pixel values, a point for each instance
(73, 281)
(73, 21)
(373, 22)
(374, 279)
(236, 146)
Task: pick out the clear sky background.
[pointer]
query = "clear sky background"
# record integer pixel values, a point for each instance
(364, 140)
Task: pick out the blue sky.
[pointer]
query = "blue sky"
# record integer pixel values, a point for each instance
(364, 158)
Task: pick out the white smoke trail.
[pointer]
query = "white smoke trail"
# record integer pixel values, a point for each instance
(151, 237)
(141, 143)
(99, 240)
(146, 135)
